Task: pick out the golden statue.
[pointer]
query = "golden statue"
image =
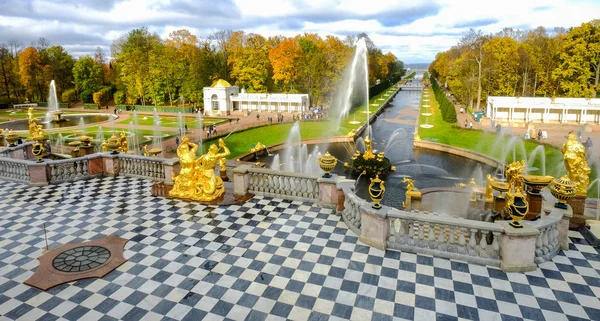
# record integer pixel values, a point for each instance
(410, 185)
(472, 183)
(411, 191)
(257, 147)
(514, 178)
(489, 190)
(104, 146)
(35, 130)
(197, 179)
(123, 142)
(368, 149)
(576, 164)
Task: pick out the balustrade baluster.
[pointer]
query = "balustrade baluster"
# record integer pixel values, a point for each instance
(483, 241)
(421, 230)
(451, 237)
(495, 242)
(472, 238)
(461, 238)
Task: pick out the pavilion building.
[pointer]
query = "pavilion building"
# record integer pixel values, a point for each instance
(223, 99)
(541, 109)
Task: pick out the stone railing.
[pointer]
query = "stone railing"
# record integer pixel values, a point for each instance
(289, 185)
(15, 170)
(448, 237)
(67, 170)
(351, 212)
(141, 166)
(496, 244)
(547, 243)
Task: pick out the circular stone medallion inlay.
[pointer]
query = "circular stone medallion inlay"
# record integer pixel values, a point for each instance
(81, 259)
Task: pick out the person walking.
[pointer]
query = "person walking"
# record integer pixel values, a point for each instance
(471, 125)
(466, 123)
(177, 141)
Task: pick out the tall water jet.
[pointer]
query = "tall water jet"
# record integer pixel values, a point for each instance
(180, 123)
(52, 99)
(293, 148)
(99, 134)
(135, 118)
(199, 120)
(276, 163)
(60, 143)
(355, 88)
(81, 126)
(132, 138)
(157, 138)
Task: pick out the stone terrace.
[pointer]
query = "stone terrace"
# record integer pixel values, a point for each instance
(267, 259)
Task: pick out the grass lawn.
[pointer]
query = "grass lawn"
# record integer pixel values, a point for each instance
(170, 121)
(491, 144)
(8, 114)
(241, 142)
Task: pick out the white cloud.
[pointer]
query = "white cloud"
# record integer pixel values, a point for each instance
(412, 30)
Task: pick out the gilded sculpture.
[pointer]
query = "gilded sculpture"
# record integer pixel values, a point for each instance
(514, 178)
(411, 191)
(123, 142)
(197, 179)
(368, 149)
(576, 164)
(489, 190)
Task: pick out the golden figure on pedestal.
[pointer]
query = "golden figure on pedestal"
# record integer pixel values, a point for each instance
(197, 179)
(489, 190)
(576, 164)
(123, 142)
(368, 149)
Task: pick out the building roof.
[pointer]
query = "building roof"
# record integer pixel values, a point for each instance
(220, 83)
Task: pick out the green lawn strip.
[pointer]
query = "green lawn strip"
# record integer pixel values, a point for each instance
(171, 121)
(240, 142)
(489, 144)
(22, 113)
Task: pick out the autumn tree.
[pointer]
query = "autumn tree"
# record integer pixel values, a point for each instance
(579, 68)
(285, 61)
(474, 42)
(502, 59)
(249, 61)
(58, 66)
(30, 70)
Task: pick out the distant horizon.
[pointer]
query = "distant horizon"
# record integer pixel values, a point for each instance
(414, 32)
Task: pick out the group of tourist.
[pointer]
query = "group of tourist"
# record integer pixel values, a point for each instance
(531, 134)
(212, 130)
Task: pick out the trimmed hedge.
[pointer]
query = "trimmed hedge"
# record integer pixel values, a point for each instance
(161, 109)
(60, 105)
(446, 107)
(383, 85)
(91, 106)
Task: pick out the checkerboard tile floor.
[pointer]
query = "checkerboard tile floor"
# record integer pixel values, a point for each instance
(268, 259)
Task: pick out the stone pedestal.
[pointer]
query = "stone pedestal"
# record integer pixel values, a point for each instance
(374, 226)
(328, 191)
(499, 204)
(578, 205)
(111, 164)
(38, 174)
(241, 180)
(86, 150)
(535, 205)
(16, 153)
(517, 248)
(172, 168)
(95, 165)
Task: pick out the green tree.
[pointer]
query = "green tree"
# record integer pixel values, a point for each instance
(58, 66)
(87, 76)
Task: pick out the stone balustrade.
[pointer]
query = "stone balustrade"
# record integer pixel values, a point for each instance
(495, 244)
(443, 236)
(141, 166)
(289, 185)
(67, 170)
(351, 212)
(14, 170)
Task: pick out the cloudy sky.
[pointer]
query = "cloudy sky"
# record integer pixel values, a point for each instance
(412, 30)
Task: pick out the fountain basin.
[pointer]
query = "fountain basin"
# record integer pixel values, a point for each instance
(67, 121)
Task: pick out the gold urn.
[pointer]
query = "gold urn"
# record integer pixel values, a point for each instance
(327, 162)
(536, 183)
(518, 208)
(563, 189)
(499, 186)
(376, 191)
(86, 141)
(113, 143)
(11, 138)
